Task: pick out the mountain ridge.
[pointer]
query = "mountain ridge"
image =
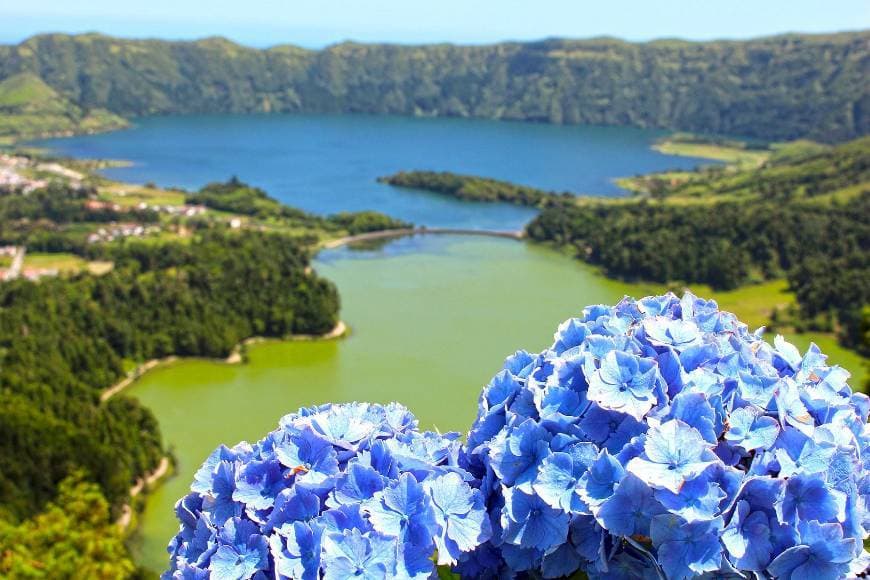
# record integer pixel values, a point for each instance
(773, 88)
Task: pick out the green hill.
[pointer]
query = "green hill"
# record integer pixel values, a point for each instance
(795, 171)
(31, 108)
(779, 88)
(27, 91)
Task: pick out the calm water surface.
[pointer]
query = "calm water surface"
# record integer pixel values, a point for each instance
(327, 164)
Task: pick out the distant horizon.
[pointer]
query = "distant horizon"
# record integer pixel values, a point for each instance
(315, 25)
(279, 43)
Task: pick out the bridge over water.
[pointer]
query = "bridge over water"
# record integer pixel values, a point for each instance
(397, 233)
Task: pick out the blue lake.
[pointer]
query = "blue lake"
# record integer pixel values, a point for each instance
(327, 164)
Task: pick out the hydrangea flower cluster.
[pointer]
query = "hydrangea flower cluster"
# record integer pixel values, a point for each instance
(660, 439)
(337, 491)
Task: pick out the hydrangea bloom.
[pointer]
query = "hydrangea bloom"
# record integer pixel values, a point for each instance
(336, 491)
(659, 438)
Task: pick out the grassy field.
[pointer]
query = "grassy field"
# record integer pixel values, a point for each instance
(128, 195)
(731, 155)
(752, 304)
(65, 263)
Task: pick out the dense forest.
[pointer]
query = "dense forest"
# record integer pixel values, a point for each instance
(776, 88)
(64, 340)
(804, 215)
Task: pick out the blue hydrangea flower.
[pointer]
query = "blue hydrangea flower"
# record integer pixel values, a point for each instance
(298, 554)
(243, 551)
(822, 554)
(705, 450)
(751, 429)
(686, 549)
(557, 481)
(699, 499)
(354, 555)
(336, 491)
(673, 454)
(624, 383)
(807, 498)
(460, 515)
(629, 510)
(516, 457)
(752, 537)
(528, 522)
(403, 510)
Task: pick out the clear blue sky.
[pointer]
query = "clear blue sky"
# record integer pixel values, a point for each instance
(316, 23)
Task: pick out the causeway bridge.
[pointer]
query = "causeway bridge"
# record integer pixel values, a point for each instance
(397, 233)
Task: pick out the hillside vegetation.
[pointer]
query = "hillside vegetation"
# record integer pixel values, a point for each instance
(804, 214)
(30, 108)
(777, 88)
(64, 340)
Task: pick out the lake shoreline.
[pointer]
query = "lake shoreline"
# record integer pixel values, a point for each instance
(235, 357)
(143, 484)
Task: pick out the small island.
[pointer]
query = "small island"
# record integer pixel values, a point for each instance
(473, 188)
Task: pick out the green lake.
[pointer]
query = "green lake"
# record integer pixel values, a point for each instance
(432, 318)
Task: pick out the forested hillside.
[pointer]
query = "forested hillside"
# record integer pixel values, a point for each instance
(64, 340)
(775, 88)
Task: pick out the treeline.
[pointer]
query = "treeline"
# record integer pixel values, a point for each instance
(723, 244)
(63, 341)
(471, 188)
(807, 219)
(238, 197)
(777, 88)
